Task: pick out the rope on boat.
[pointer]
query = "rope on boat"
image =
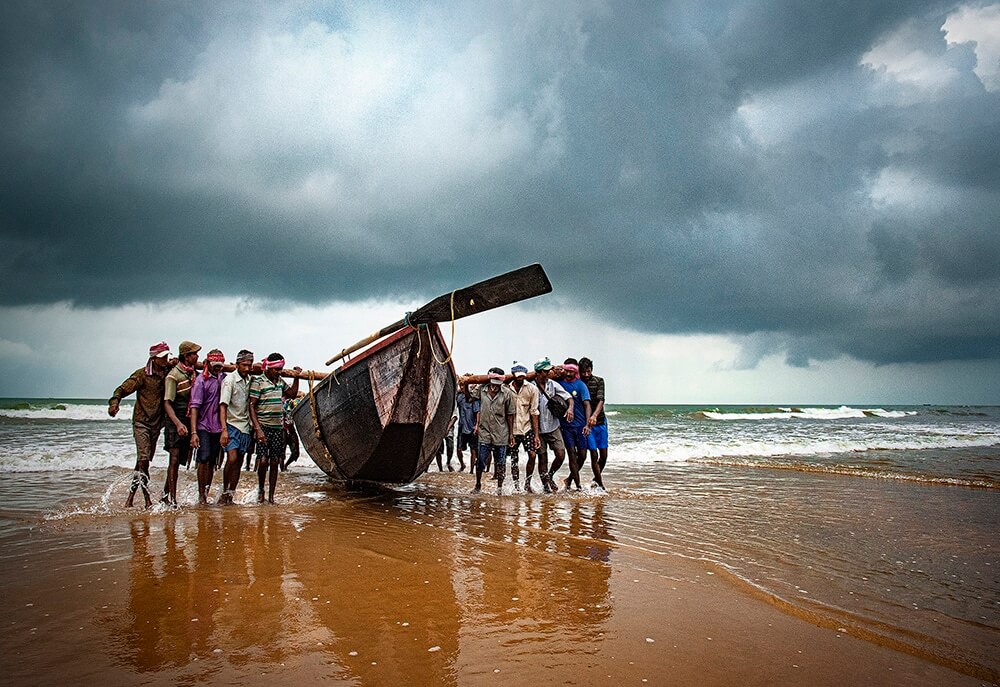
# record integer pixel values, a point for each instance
(417, 328)
(315, 419)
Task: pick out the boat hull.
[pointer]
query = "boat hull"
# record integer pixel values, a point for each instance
(382, 416)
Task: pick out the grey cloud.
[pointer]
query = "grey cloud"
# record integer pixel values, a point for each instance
(606, 142)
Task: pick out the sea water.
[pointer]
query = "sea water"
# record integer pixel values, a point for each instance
(878, 521)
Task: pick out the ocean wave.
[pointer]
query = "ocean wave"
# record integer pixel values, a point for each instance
(75, 412)
(782, 413)
(675, 450)
(858, 471)
(76, 457)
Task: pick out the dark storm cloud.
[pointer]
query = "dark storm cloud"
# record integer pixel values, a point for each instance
(680, 167)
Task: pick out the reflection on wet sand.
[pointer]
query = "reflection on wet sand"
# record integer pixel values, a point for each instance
(423, 585)
(532, 577)
(206, 584)
(381, 591)
(384, 588)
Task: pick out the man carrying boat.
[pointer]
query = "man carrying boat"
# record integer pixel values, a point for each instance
(575, 429)
(549, 430)
(597, 440)
(494, 426)
(234, 417)
(147, 417)
(267, 409)
(468, 416)
(525, 425)
(206, 424)
(176, 395)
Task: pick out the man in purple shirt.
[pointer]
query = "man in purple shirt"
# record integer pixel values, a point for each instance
(206, 428)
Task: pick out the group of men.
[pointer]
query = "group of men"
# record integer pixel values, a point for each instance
(214, 415)
(561, 408)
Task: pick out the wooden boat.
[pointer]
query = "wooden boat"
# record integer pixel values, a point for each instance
(382, 416)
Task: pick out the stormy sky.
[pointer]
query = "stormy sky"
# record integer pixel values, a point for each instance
(791, 188)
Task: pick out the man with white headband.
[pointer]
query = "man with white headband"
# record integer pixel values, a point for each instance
(147, 416)
(494, 426)
(525, 425)
(267, 409)
(234, 417)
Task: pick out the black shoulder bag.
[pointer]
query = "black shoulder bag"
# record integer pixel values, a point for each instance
(557, 404)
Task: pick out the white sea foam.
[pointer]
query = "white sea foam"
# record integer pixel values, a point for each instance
(120, 454)
(68, 411)
(681, 450)
(841, 413)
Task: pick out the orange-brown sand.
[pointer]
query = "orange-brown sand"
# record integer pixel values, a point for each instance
(352, 591)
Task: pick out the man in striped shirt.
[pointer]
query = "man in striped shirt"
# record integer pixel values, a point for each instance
(267, 409)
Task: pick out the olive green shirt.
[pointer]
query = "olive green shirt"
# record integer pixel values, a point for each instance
(148, 390)
(493, 412)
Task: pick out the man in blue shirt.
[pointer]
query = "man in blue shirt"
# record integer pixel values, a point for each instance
(468, 412)
(575, 431)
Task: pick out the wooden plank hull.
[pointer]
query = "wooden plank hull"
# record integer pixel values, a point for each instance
(381, 416)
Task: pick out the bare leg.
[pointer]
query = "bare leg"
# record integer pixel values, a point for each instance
(292, 441)
(514, 468)
(272, 482)
(261, 476)
(557, 461)
(173, 469)
(205, 474)
(529, 470)
(478, 462)
(230, 476)
(604, 458)
(596, 467)
(576, 458)
(140, 481)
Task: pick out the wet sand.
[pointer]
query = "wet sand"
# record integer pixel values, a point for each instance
(358, 589)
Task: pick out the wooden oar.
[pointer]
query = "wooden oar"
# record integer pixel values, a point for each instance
(504, 289)
(291, 374)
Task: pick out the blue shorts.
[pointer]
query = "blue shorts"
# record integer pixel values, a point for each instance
(598, 437)
(238, 441)
(573, 437)
(499, 457)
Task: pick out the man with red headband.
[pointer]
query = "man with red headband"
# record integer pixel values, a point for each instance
(267, 409)
(206, 425)
(575, 431)
(147, 417)
(176, 396)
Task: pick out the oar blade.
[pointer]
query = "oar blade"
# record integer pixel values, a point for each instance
(511, 287)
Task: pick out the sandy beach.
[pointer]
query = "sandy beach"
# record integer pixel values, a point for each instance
(427, 588)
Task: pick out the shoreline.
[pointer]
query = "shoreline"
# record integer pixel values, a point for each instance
(358, 589)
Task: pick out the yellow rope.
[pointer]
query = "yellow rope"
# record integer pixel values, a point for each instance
(452, 346)
(312, 407)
